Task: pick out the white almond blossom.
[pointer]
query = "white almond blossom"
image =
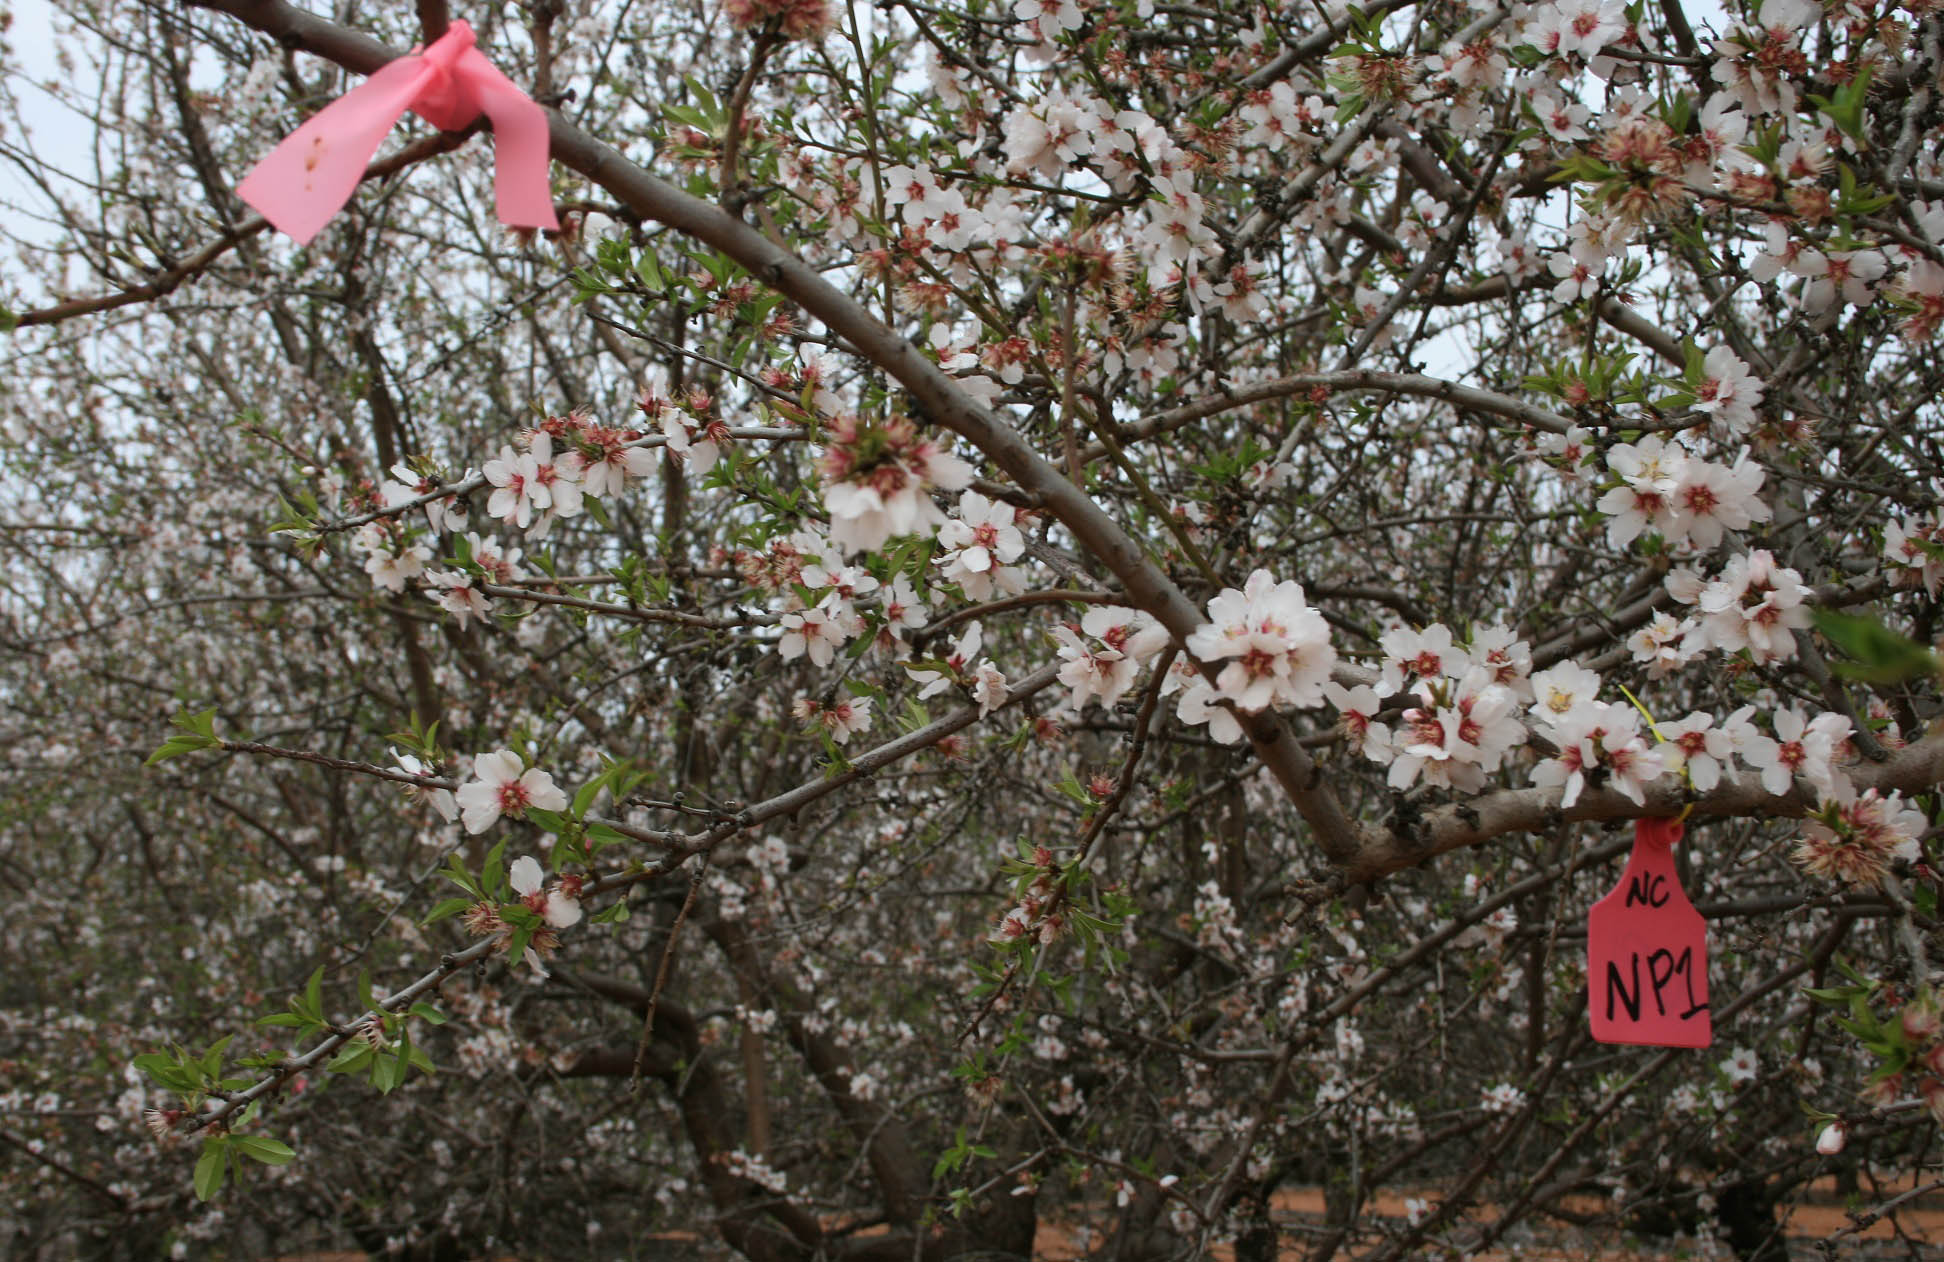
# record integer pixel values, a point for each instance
(518, 493)
(1754, 605)
(1561, 688)
(440, 799)
(1103, 673)
(1800, 747)
(1413, 655)
(1357, 709)
(503, 785)
(1727, 391)
(555, 906)
(982, 535)
(1696, 744)
(390, 571)
(1277, 647)
(818, 632)
(1595, 736)
(1463, 730)
(878, 479)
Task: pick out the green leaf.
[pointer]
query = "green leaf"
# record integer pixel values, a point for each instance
(584, 800)
(167, 1071)
(293, 521)
(198, 732)
(459, 874)
(1881, 656)
(1070, 786)
(426, 1012)
(450, 907)
(492, 877)
(271, 1152)
(211, 1167)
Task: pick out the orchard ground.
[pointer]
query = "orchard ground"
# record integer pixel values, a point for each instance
(1917, 1233)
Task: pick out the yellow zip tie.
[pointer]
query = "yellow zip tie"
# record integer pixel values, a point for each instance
(1643, 712)
(1687, 773)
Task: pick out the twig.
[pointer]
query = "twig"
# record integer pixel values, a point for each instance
(1863, 1222)
(661, 975)
(53, 1163)
(433, 18)
(167, 281)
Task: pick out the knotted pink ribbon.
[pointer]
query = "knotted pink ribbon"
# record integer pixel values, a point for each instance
(312, 174)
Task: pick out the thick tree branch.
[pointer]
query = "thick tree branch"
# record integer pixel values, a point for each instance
(1916, 767)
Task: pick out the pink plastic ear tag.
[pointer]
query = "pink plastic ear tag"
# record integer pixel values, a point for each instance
(308, 178)
(1647, 951)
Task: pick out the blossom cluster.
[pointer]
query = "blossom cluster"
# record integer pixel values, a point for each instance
(1688, 501)
(877, 480)
(1273, 650)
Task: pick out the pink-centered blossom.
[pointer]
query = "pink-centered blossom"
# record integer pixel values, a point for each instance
(1357, 710)
(1727, 391)
(878, 479)
(503, 785)
(1755, 605)
(1599, 741)
(518, 492)
(817, 632)
(559, 908)
(1276, 646)
(1696, 744)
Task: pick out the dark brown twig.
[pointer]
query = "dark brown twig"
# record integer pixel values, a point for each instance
(661, 975)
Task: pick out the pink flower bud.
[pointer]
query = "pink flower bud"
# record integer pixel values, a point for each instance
(1920, 1019)
(1879, 1094)
(1834, 1136)
(1933, 1092)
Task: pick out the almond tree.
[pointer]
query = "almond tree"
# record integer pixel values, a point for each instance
(1032, 617)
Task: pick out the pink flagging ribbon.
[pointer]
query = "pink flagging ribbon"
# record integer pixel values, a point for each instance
(312, 174)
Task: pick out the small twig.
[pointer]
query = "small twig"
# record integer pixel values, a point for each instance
(675, 348)
(433, 18)
(1907, 936)
(1075, 468)
(1863, 1222)
(165, 282)
(738, 104)
(287, 1069)
(340, 764)
(52, 1163)
(661, 975)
